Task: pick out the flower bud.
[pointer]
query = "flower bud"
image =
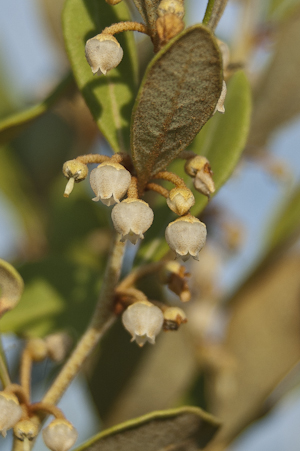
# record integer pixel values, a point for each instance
(26, 430)
(199, 168)
(173, 318)
(60, 435)
(75, 171)
(220, 105)
(110, 181)
(38, 349)
(186, 236)
(174, 275)
(58, 346)
(204, 183)
(10, 411)
(143, 321)
(180, 200)
(171, 7)
(103, 53)
(131, 218)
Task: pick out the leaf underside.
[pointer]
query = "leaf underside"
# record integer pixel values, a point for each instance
(222, 141)
(183, 429)
(178, 95)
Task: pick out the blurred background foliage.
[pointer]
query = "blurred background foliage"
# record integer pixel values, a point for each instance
(238, 356)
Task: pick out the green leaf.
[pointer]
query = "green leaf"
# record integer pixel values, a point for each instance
(224, 137)
(222, 141)
(178, 95)
(110, 98)
(286, 222)
(186, 428)
(52, 303)
(14, 124)
(11, 284)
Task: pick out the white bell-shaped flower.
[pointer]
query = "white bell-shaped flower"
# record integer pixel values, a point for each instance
(10, 411)
(143, 321)
(60, 435)
(131, 218)
(110, 181)
(186, 236)
(103, 53)
(180, 200)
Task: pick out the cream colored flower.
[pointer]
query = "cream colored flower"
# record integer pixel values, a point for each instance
(110, 182)
(131, 218)
(103, 53)
(186, 236)
(143, 321)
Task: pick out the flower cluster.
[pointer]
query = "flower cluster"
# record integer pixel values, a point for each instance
(111, 181)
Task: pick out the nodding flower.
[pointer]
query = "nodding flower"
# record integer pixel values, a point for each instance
(103, 53)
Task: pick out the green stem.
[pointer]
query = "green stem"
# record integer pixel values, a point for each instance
(213, 13)
(4, 376)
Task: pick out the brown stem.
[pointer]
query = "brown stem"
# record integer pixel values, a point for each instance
(19, 392)
(126, 26)
(170, 177)
(132, 192)
(158, 189)
(187, 154)
(46, 407)
(133, 293)
(92, 158)
(124, 159)
(25, 371)
(138, 273)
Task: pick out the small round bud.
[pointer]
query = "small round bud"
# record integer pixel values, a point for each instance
(103, 53)
(131, 218)
(58, 346)
(186, 236)
(60, 435)
(171, 7)
(173, 318)
(38, 349)
(180, 200)
(26, 430)
(10, 411)
(220, 105)
(195, 164)
(143, 321)
(110, 181)
(75, 171)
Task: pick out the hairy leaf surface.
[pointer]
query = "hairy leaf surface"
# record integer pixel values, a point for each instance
(186, 428)
(222, 141)
(178, 95)
(110, 98)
